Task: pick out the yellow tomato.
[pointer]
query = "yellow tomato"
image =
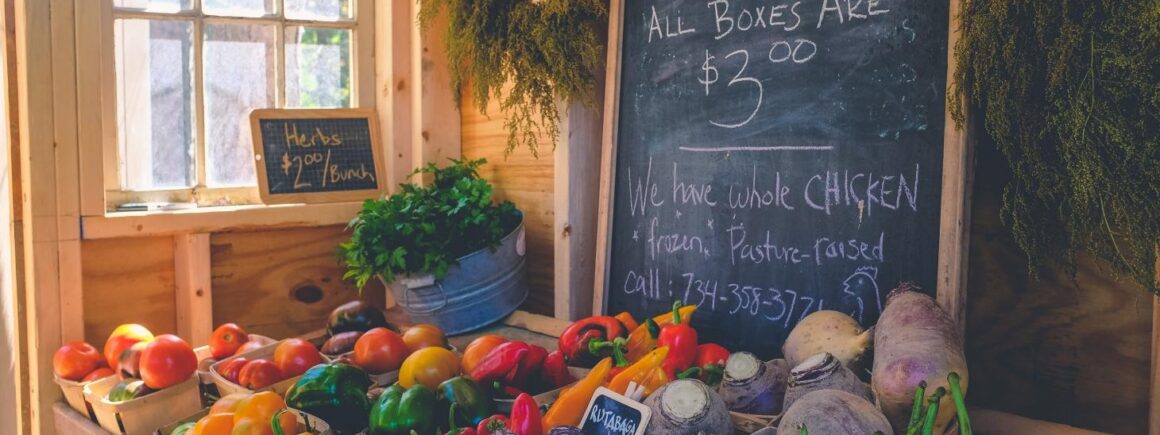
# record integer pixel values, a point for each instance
(228, 403)
(260, 408)
(215, 424)
(429, 366)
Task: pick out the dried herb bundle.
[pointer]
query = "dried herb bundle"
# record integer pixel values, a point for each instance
(526, 53)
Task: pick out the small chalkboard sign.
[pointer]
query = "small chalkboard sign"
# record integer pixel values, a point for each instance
(317, 155)
(610, 413)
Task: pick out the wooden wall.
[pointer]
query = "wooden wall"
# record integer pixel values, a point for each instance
(1075, 351)
(524, 180)
(278, 283)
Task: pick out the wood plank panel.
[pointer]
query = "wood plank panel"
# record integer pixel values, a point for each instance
(281, 283)
(1057, 349)
(128, 281)
(524, 180)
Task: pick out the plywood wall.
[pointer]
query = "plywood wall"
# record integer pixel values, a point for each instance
(128, 281)
(1074, 351)
(523, 179)
(281, 283)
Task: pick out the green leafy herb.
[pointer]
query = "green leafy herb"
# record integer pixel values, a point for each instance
(1070, 92)
(526, 53)
(424, 229)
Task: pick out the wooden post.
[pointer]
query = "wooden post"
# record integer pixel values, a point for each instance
(192, 281)
(577, 160)
(1154, 403)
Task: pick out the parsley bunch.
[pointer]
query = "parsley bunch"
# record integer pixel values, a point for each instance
(424, 229)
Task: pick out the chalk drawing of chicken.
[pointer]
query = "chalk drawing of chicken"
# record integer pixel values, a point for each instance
(863, 279)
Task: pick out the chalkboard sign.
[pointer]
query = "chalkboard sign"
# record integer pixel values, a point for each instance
(317, 155)
(610, 413)
(769, 159)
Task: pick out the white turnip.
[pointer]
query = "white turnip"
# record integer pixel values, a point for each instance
(828, 331)
(687, 407)
(823, 372)
(833, 412)
(915, 341)
(751, 386)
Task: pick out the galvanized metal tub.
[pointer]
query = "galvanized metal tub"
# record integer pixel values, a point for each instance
(483, 288)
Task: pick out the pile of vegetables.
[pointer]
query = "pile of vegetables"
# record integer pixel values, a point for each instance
(143, 363)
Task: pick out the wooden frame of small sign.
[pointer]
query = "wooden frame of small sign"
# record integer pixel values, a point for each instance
(645, 412)
(957, 177)
(258, 116)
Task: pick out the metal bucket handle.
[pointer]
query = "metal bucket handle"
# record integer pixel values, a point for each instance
(407, 300)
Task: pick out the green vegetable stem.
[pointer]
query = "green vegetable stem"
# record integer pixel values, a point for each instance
(960, 404)
(916, 410)
(932, 410)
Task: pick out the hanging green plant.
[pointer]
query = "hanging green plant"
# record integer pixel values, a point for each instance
(526, 53)
(1070, 91)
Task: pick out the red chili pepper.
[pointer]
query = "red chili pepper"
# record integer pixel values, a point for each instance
(710, 364)
(501, 364)
(555, 373)
(681, 340)
(495, 423)
(529, 367)
(574, 341)
(526, 417)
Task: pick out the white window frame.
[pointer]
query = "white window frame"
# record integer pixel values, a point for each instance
(361, 24)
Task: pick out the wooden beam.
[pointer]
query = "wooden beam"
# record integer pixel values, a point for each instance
(395, 86)
(66, 143)
(1154, 404)
(608, 152)
(91, 53)
(193, 283)
(217, 219)
(436, 134)
(958, 177)
(576, 191)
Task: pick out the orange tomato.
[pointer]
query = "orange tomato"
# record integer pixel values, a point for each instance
(251, 345)
(215, 424)
(102, 372)
(429, 367)
(167, 361)
(380, 350)
(75, 360)
(294, 356)
(254, 413)
(228, 403)
(122, 338)
(478, 349)
(226, 340)
(259, 373)
(421, 336)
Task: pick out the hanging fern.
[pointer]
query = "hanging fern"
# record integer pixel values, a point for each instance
(1070, 91)
(526, 53)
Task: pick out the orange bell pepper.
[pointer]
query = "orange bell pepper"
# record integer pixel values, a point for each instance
(641, 341)
(626, 318)
(642, 373)
(569, 407)
(253, 414)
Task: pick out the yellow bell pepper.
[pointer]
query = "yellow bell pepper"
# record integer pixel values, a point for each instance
(641, 342)
(570, 406)
(642, 373)
(429, 366)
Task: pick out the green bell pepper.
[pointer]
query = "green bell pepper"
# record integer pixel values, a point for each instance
(471, 403)
(334, 392)
(402, 411)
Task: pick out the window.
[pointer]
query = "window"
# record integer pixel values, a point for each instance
(189, 71)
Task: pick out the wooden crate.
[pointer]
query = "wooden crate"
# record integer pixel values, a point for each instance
(74, 395)
(750, 423)
(144, 415)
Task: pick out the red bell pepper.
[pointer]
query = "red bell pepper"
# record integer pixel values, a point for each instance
(555, 373)
(574, 341)
(501, 364)
(681, 340)
(529, 367)
(495, 423)
(710, 364)
(526, 417)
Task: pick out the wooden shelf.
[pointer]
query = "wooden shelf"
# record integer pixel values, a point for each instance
(216, 219)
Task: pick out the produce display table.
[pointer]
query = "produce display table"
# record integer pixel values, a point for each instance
(543, 331)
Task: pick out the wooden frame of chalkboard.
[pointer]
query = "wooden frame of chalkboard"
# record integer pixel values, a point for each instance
(956, 163)
(348, 118)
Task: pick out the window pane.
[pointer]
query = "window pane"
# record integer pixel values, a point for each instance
(238, 8)
(155, 5)
(317, 67)
(155, 103)
(317, 9)
(239, 76)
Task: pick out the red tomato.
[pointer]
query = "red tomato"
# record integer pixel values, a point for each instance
(259, 373)
(226, 340)
(75, 360)
(167, 361)
(130, 364)
(380, 350)
(123, 338)
(232, 368)
(249, 346)
(100, 373)
(294, 356)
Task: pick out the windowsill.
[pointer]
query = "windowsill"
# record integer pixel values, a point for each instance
(216, 219)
